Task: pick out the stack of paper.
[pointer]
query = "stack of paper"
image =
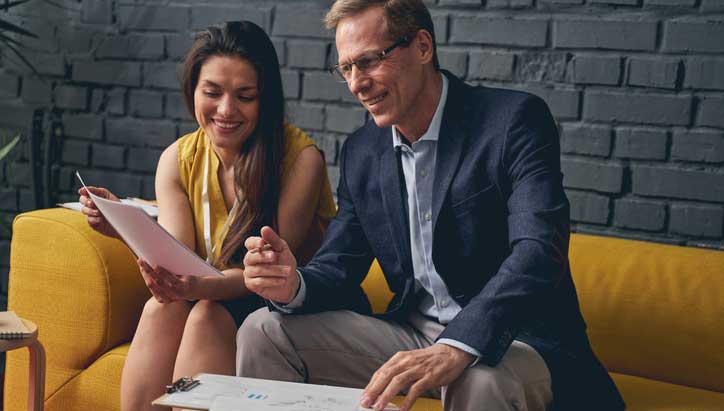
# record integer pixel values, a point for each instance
(11, 327)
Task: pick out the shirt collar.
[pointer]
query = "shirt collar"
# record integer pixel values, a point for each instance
(433, 130)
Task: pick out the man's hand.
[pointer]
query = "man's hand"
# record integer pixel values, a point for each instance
(272, 274)
(419, 370)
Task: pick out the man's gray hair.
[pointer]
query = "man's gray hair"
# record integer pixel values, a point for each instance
(402, 18)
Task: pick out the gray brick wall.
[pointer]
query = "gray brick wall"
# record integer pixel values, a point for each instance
(637, 88)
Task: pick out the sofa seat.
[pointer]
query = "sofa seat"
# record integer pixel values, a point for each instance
(643, 394)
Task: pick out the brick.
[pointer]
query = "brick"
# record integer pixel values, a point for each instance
(26, 201)
(169, 18)
(291, 83)
(145, 103)
(440, 24)
(455, 61)
(653, 72)
(671, 3)
(186, 127)
(712, 5)
(637, 108)
(542, 66)
(105, 156)
(605, 34)
(153, 133)
(176, 107)
(44, 63)
(641, 143)
(300, 22)
(499, 31)
(116, 101)
(321, 86)
(344, 119)
(71, 97)
(639, 214)
(132, 46)
(98, 100)
(588, 207)
(554, 3)
(44, 30)
(306, 116)
(96, 11)
(203, 16)
(587, 140)
(108, 72)
(563, 103)
(711, 110)
(704, 73)
(74, 40)
(592, 175)
(491, 65)
(333, 174)
(696, 220)
(21, 175)
(36, 91)
(75, 152)
(148, 189)
(279, 46)
(705, 146)
(329, 144)
(616, 2)
(509, 4)
(8, 199)
(307, 54)
(177, 45)
(161, 75)
(143, 159)
(694, 36)
(461, 3)
(678, 183)
(15, 116)
(9, 85)
(588, 69)
(120, 183)
(88, 126)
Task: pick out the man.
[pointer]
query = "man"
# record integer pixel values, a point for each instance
(457, 192)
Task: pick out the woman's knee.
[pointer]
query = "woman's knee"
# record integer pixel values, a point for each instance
(207, 313)
(156, 311)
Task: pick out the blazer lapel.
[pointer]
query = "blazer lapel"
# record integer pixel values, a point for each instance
(393, 202)
(450, 144)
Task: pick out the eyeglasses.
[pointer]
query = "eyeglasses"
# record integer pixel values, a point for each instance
(366, 62)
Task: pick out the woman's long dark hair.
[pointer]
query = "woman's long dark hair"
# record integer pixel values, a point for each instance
(257, 172)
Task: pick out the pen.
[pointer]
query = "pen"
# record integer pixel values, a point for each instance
(265, 247)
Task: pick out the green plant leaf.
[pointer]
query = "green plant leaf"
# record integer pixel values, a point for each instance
(21, 57)
(4, 151)
(7, 26)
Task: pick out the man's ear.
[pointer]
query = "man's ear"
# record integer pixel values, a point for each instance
(424, 46)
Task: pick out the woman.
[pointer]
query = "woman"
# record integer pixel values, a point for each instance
(242, 169)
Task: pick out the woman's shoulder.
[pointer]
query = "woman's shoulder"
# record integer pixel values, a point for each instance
(295, 139)
(189, 144)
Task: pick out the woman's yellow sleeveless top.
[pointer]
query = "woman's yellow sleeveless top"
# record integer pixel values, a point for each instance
(191, 153)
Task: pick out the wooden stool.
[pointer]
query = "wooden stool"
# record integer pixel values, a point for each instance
(36, 387)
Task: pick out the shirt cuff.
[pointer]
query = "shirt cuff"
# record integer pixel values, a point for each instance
(468, 349)
(298, 299)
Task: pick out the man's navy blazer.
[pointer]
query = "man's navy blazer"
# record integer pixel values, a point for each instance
(500, 236)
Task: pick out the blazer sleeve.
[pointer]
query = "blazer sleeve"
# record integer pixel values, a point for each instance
(538, 233)
(334, 275)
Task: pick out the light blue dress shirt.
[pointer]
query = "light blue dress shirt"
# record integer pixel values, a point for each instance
(418, 165)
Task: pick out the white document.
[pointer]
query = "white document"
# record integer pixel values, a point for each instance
(149, 241)
(151, 210)
(227, 393)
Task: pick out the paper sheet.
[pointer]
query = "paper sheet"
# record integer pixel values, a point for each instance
(149, 209)
(150, 241)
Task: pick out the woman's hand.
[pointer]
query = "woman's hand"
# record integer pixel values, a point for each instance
(95, 218)
(167, 287)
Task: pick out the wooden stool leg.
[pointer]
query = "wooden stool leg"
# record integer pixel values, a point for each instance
(36, 387)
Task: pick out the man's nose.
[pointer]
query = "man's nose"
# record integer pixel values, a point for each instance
(357, 80)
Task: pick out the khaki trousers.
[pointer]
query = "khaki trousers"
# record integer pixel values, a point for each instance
(344, 348)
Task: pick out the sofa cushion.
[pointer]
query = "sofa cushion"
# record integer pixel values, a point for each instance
(643, 394)
(653, 310)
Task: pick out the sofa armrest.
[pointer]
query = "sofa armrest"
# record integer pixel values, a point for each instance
(82, 289)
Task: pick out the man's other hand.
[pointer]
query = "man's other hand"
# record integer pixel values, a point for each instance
(270, 272)
(418, 371)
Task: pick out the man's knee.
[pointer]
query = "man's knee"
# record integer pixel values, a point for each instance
(482, 385)
(254, 331)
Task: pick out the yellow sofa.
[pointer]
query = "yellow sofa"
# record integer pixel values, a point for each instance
(655, 314)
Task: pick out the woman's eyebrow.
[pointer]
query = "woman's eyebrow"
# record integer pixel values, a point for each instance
(243, 88)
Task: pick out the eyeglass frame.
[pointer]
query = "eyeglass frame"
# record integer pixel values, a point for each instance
(337, 74)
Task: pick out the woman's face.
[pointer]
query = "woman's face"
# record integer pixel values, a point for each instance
(226, 101)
